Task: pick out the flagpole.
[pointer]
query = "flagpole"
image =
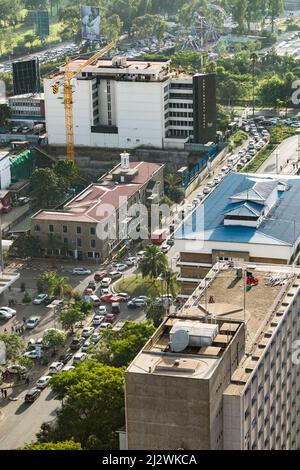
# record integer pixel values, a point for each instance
(244, 287)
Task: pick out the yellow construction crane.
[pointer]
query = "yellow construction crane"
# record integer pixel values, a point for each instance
(66, 83)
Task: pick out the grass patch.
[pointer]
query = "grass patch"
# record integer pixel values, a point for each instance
(237, 139)
(137, 285)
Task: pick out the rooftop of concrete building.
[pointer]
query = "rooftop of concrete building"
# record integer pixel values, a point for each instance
(222, 299)
(88, 205)
(33, 96)
(246, 195)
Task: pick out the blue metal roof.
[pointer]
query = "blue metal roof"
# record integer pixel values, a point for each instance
(280, 227)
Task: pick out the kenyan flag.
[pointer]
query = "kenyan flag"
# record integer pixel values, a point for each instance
(251, 281)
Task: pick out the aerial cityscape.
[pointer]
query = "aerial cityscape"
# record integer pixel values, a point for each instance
(149, 227)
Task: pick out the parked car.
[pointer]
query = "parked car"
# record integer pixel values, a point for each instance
(170, 241)
(165, 247)
(98, 276)
(23, 200)
(79, 357)
(43, 382)
(206, 190)
(87, 331)
(196, 201)
(40, 299)
(32, 395)
(17, 369)
(81, 271)
(6, 313)
(33, 354)
(65, 358)
(32, 322)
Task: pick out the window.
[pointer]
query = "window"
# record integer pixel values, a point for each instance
(51, 228)
(78, 229)
(93, 243)
(93, 231)
(65, 228)
(65, 241)
(90, 254)
(37, 228)
(79, 242)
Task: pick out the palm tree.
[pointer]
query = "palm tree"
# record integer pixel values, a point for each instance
(153, 263)
(61, 287)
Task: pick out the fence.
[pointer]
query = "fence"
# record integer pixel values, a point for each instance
(202, 163)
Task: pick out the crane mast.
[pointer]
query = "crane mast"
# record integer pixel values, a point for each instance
(66, 83)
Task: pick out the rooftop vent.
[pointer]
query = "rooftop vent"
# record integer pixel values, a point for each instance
(191, 333)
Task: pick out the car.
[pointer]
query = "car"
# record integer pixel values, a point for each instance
(200, 196)
(94, 299)
(170, 241)
(55, 367)
(244, 160)
(23, 200)
(67, 368)
(7, 312)
(32, 395)
(86, 345)
(165, 248)
(217, 180)
(225, 170)
(43, 381)
(80, 271)
(252, 152)
(104, 325)
(49, 300)
(76, 344)
(25, 129)
(190, 207)
(206, 190)
(115, 307)
(137, 302)
(92, 285)
(101, 310)
(124, 296)
(87, 331)
(241, 153)
(88, 292)
(131, 261)
(141, 253)
(79, 357)
(95, 337)
(115, 274)
(239, 166)
(99, 275)
(106, 281)
(98, 319)
(110, 298)
(196, 201)
(65, 357)
(33, 354)
(110, 318)
(15, 129)
(40, 299)
(32, 322)
(17, 369)
(121, 267)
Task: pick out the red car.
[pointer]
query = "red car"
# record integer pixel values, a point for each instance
(110, 318)
(110, 298)
(99, 276)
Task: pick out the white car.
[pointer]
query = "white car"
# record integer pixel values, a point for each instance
(33, 354)
(200, 196)
(105, 282)
(244, 160)
(95, 338)
(105, 325)
(86, 345)
(79, 357)
(98, 319)
(87, 331)
(81, 271)
(32, 322)
(67, 368)
(241, 153)
(225, 170)
(6, 313)
(121, 266)
(190, 207)
(43, 381)
(55, 367)
(206, 190)
(165, 248)
(40, 299)
(217, 180)
(196, 201)
(131, 261)
(17, 369)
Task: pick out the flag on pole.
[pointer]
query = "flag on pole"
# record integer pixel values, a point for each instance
(251, 281)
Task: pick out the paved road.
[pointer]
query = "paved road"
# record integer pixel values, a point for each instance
(287, 150)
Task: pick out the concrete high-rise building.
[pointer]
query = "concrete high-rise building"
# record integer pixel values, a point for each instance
(223, 372)
(128, 103)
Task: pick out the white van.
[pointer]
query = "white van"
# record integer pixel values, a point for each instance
(79, 357)
(105, 282)
(95, 300)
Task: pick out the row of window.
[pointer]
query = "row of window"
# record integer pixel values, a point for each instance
(37, 228)
(25, 112)
(181, 105)
(179, 123)
(28, 104)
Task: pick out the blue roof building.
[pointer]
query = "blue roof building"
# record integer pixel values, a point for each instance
(255, 218)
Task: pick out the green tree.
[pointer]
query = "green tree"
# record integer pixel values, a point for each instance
(155, 312)
(69, 16)
(67, 171)
(4, 114)
(25, 245)
(46, 187)
(71, 315)
(149, 25)
(93, 407)
(271, 90)
(54, 339)
(112, 27)
(153, 263)
(51, 284)
(274, 9)
(239, 13)
(119, 348)
(14, 345)
(65, 445)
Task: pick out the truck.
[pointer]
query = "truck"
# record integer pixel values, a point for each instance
(158, 236)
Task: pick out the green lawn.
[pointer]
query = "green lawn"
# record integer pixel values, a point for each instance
(136, 285)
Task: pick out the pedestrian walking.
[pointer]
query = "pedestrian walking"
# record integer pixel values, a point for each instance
(12, 329)
(24, 320)
(22, 329)
(5, 393)
(2, 392)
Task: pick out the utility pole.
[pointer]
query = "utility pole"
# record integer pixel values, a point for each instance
(277, 155)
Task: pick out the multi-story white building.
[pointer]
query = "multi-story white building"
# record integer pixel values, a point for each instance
(28, 108)
(120, 103)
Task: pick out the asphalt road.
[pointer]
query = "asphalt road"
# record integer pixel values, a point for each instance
(287, 150)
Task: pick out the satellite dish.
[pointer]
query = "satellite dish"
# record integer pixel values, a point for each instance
(180, 340)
